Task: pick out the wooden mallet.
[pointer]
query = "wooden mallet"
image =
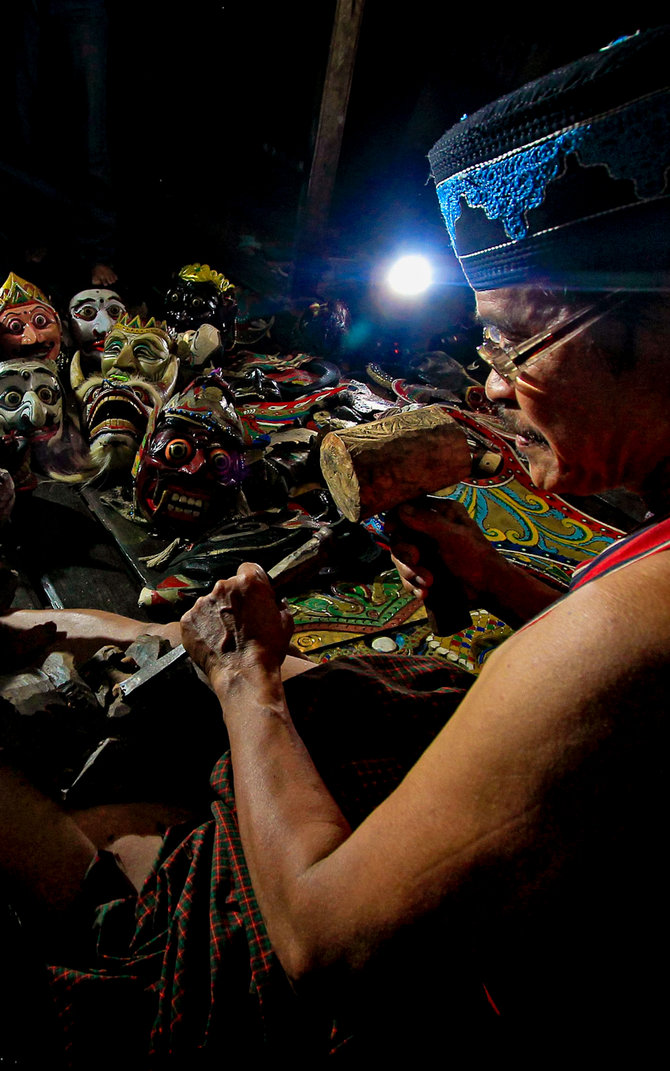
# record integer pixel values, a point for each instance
(372, 468)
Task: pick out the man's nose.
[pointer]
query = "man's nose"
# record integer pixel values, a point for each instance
(29, 335)
(498, 388)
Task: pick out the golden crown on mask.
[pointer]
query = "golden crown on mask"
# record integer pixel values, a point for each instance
(202, 273)
(18, 291)
(136, 326)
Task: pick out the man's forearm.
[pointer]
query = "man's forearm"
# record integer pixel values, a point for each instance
(489, 580)
(516, 596)
(288, 819)
(83, 632)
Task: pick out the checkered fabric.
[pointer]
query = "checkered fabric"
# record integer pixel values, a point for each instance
(184, 975)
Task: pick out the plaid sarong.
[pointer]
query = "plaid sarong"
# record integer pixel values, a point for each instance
(184, 974)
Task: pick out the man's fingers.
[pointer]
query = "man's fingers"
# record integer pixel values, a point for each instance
(415, 580)
(287, 623)
(251, 572)
(406, 553)
(433, 515)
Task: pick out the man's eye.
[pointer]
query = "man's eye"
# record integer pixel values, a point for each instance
(16, 326)
(40, 320)
(504, 341)
(114, 311)
(86, 312)
(11, 399)
(47, 395)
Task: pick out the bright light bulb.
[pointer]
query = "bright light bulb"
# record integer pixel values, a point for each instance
(410, 275)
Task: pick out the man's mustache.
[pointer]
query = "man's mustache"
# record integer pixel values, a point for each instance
(512, 425)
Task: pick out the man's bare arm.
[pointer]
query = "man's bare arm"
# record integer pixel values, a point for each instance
(474, 804)
(488, 579)
(83, 632)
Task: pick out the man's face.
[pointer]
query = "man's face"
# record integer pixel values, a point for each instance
(31, 332)
(31, 400)
(569, 412)
(93, 314)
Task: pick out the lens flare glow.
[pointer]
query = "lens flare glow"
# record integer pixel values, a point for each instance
(410, 275)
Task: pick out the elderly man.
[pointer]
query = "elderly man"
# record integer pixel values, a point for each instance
(508, 895)
(524, 845)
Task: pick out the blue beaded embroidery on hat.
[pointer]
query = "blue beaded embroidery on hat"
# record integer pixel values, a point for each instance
(632, 142)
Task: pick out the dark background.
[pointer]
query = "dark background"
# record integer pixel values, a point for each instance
(212, 109)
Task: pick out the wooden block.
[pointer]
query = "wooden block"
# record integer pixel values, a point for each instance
(374, 467)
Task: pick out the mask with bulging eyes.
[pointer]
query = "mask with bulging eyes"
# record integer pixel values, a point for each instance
(31, 400)
(29, 326)
(200, 295)
(190, 468)
(93, 314)
(31, 331)
(138, 374)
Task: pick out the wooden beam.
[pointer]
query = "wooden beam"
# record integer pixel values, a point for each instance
(334, 102)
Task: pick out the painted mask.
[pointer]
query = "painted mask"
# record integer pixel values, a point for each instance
(31, 400)
(323, 327)
(190, 467)
(199, 296)
(93, 314)
(29, 326)
(138, 374)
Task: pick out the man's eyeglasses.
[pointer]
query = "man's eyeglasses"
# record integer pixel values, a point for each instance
(509, 361)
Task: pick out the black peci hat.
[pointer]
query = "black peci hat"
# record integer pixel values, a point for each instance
(566, 181)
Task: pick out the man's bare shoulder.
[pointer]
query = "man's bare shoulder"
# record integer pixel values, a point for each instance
(555, 691)
(544, 757)
(616, 624)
